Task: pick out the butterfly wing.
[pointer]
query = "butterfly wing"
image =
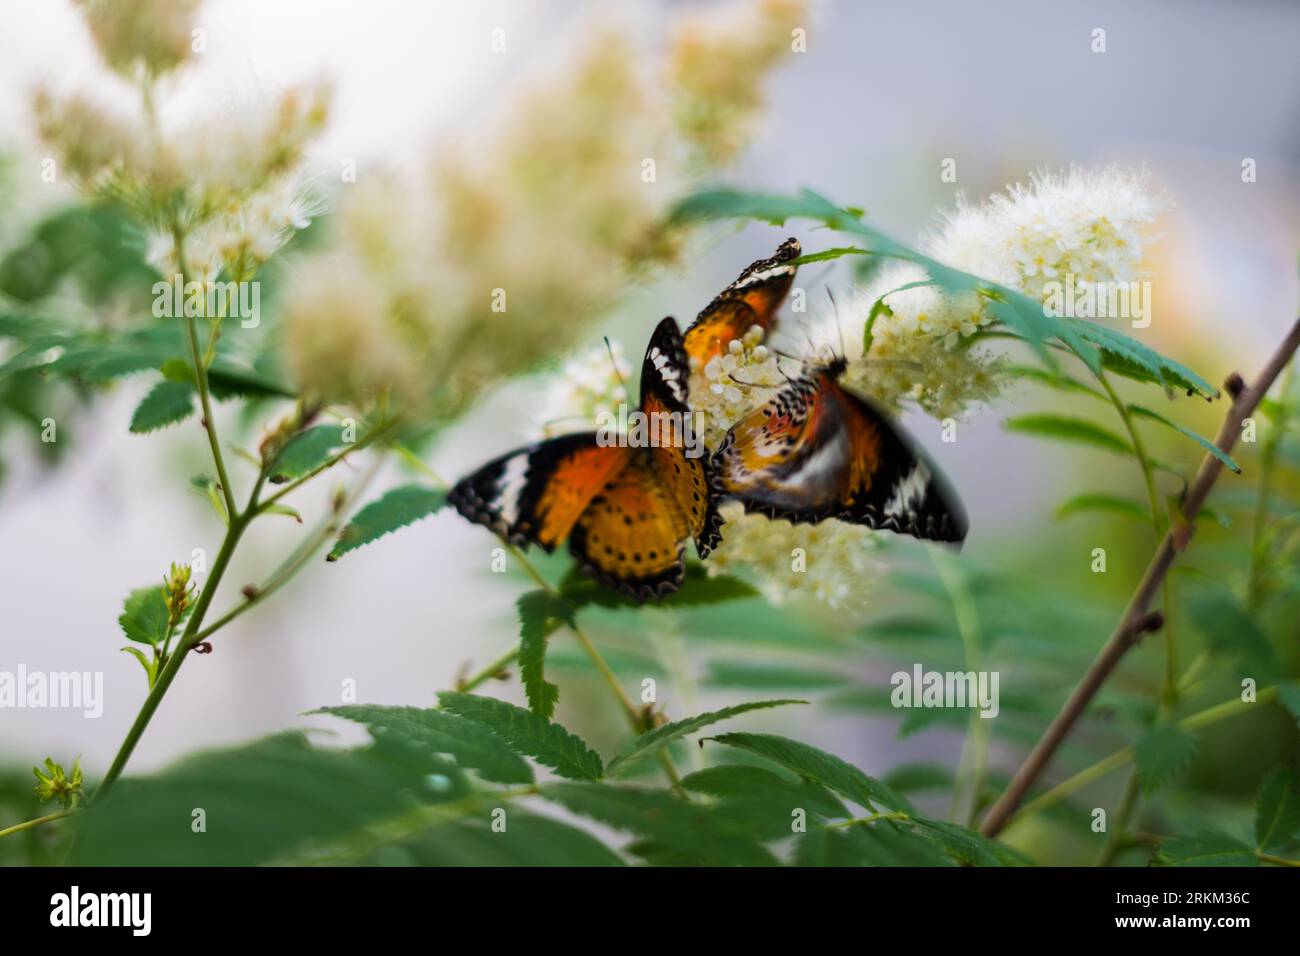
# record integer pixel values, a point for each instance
(534, 495)
(816, 451)
(681, 463)
(751, 300)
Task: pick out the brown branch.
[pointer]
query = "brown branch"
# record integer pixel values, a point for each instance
(1136, 620)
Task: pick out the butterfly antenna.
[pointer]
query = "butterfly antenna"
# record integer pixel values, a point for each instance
(741, 381)
(835, 307)
(609, 347)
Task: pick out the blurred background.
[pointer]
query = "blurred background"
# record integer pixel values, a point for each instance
(884, 94)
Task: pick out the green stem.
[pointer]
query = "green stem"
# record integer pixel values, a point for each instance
(968, 626)
(863, 821)
(201, 381)
(1117, 838)
(29, 824)
(187, 641)
(1276, 860)
(489, 672)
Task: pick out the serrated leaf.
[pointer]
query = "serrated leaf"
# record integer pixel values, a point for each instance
(818, 766)
(1207, 848)
(1054, 380)
(698, 588)
(1143, 412)
(827, 254)
(261, 802)
(546, 742)
(144, 615)
(396, 509)
(536, 610)
(969, 847)
(530, 840)
(692, 831)
(1132, 359)
(1231, 632)
(1161, 754)
(883, 843)
(646, 744)
(1103, 501)
(762, 802)
(305, 451)
(166, 404)
(1069, 429)
(471, 744)
(1277, 811)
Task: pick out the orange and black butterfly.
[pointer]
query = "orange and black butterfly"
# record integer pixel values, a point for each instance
(817, 451)
(626, 511)
(751, 300)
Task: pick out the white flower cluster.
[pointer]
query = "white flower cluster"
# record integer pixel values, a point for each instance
(830, 562)
(733, 384)
(591, 384)
(1077, 228)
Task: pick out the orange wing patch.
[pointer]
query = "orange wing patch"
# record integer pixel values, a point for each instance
(751, 300)
(570, 487)
(631, 535)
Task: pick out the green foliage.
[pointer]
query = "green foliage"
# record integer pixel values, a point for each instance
(546, 742)
(166, 404)
(1101, 501)
(306, 451)
(473, 745)
(820, 767)
(644, 745)
(536, 610)
(1277, 812)
(1163, 752)
(1070, 429)
(259, 802)
(1141, 411)
(1207, 848)
(144, 616)
(396, 509)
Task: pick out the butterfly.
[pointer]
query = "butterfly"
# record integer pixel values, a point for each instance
(817, 451)
(626, 506)
(751, 300)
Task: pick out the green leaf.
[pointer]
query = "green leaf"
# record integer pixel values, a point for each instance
(1277, 812)
(1232, 633)
(1066, 428)
(883, 843)
(528, 840)
(828, 254)
(396, 509)
(471, 744)
(536, 610)
(1143, 412)
(210, 488)
(166, 404)
(1055, 380)
(692, 831)
(649, 743)
(1161, 754)
(913, 777)
(150, 667)
(1288, 695)
(969, 847)
(764, 803)
(144, 615)
(1102, 501)
(1207, 848)
(305, 451)
(546, 742)
(258, 803)
(698, 588)
(818, 766)
(749, 674)
(1132, 359)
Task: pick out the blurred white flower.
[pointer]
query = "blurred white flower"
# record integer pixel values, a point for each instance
(149, 36)
(733, 384)
(589, 384)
